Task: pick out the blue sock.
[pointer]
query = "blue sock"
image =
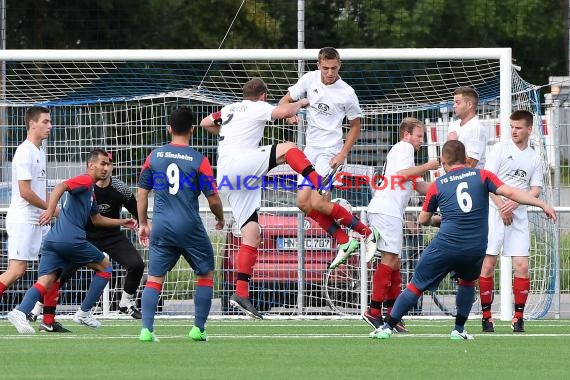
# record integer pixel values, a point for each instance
(202, 302)
(32, 296)
(98, 283)
(149, 302)
(405, 301)
(464, 302)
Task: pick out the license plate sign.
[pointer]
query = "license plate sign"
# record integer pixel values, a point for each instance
(309, 243)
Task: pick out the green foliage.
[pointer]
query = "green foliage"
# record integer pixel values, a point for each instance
(535, 29)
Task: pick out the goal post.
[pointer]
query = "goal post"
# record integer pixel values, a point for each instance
(120, 100)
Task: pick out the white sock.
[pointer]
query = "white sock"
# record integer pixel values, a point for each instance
(126, 299)
(38, 307)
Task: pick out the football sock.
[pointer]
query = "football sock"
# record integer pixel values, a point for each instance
(395, 285)
(388, 305)
(126, 299)
(460, 321)
(50, 303)
(33, 295)
(149, 302)
(328, 224)
(344, 217)
(375, 308)
(380, 283)
(405, 302)
(376, 298)
(486, 286)
(301, 164)
(247, 257)
(521, 287)
(98, 282)
(203, 301)
(464, 302)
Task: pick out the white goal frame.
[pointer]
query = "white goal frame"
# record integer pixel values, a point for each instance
(504, 56)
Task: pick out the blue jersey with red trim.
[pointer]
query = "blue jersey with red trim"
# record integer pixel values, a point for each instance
(78, 205)
(462, 196)
(177, 174)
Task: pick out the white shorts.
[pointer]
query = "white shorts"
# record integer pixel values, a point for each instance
(391, 232)
(514, 239)
(320, 158)
(24, 240)
(241, 180)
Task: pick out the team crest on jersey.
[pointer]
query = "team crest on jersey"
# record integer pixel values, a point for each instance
(103, 208)
(322, 108)
(519, 173)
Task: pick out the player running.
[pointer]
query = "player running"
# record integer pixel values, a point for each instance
(66, 242)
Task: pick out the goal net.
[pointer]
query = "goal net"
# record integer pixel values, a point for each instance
(121, 100)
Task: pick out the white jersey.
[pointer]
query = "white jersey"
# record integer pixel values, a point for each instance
(328, 106)
(394, 194)
(28, 164)
(242, 128)
(517, 168)
(474, 136)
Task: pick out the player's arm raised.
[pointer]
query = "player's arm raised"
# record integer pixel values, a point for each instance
(287, 110)
(520, 196)
(286, 99)
(212, 123)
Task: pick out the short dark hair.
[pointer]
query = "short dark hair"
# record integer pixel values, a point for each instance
(408, 124)
(181, 120)
(33, 113)
(469, 93)
(328, 53)
(524, 115)
(93, 156)
(453, 152)
(253, 88)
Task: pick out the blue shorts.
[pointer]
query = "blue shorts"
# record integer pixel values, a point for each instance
(56, 255)
(162, 258)
(435, 263)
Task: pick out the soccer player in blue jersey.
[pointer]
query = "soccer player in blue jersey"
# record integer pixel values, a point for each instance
(462, 196)
(66, 242)
(177, 174)
(112, 195)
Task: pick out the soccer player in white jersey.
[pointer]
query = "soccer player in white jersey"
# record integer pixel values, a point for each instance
(242, 163)
(386, 214)
(29, 195)
(520, 166)
(467, 128)
(331, 101)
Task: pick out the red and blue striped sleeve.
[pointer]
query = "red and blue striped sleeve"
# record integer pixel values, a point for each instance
(431, 202)
(78, 184)
(207, 180)
(491, 180)
(145, 179)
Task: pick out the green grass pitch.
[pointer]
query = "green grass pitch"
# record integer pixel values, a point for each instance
(287, 349)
